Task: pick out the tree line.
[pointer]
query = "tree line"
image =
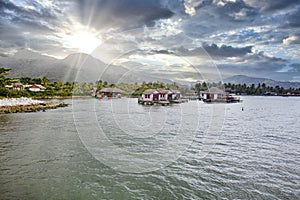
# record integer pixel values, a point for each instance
(54, 88)
(243, 89)
(63, 89)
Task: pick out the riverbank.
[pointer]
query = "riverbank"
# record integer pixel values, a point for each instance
(15, 105)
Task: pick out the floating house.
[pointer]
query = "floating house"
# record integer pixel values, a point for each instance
(150, 95)
(160, 96)
(37, 88)
(174, 96)
(109, 93)
(191, 95)
(215, 94)
(163, 94)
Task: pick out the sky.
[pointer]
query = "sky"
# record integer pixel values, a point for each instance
(257, 38)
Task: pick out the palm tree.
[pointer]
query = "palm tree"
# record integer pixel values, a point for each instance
(45, 81)
(3, 79)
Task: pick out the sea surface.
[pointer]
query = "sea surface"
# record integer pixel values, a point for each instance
(118, 149)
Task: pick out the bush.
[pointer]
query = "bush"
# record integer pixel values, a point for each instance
(4, 92)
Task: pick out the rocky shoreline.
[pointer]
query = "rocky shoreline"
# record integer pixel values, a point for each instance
(27, 105)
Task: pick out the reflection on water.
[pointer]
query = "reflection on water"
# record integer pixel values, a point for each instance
(255, 157)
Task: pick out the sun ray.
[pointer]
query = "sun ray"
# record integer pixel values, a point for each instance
(82, 40)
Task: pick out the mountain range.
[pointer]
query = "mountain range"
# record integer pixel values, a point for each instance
(75, 67)
(78, 67)
(81, 67)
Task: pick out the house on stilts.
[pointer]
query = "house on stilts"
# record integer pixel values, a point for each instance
(160, 96)
(216, 95)
(105, 93)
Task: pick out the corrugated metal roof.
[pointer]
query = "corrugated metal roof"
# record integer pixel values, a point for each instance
(214, 90)
(160, 90)
(112, 90)
(40, 86)
(175, 91)
(150, 91)
(163, 91)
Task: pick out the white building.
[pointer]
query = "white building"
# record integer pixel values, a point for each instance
(37, 88)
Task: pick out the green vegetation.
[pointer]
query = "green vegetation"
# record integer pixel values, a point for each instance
(3, 79)
(136, 90)
(52, 89)
(65, 89)
(259, 89)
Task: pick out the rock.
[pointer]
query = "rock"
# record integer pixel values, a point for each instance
(26, 105)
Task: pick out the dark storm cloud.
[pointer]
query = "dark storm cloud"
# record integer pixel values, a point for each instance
(234, 11)
(26, 25)
(176, 6)
(259, 25)
(7, 5)
(23, 14)
(262, 57)
(294, 18)
(226, 51)
(204, 3)
(272, 5)
(163, 51)
(295, 67)
(129, 13)
(256, 64)
(16, 19)
(237, 11)
(215, 51)
(212, 18)
(249, 69)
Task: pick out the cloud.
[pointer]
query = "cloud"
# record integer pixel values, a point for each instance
(163, 51)
(237, 10)
(262, 57)
(256, 65)
(33, 13)
(293, 19)
(290, 68)
(245, 34)
(190, 6)
(123, 13)
(214, 51)
(291, 40)
(21, 24)
(226, 51)
(271, 5)
(295, 67)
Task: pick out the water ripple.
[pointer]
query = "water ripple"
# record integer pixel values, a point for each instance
(256, 155)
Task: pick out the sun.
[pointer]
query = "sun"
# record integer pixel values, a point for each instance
(83, 41)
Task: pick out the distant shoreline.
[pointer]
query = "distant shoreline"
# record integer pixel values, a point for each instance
(280, 95)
